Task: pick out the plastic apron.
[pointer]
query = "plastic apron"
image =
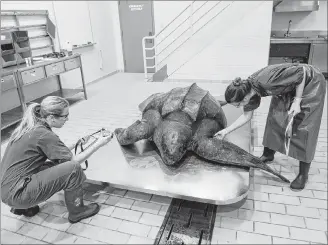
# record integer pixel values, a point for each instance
(306, 124)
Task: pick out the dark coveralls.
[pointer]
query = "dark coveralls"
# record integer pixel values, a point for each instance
(36, 167)
(280, 82)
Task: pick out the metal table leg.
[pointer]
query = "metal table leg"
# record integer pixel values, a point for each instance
(83, 81)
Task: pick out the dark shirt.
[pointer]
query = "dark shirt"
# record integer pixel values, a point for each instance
(25, 156)
(274, 80)
(253, 103)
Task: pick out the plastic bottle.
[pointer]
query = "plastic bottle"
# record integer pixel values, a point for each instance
(69, 48)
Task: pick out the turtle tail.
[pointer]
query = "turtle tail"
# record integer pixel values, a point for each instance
(259, 164)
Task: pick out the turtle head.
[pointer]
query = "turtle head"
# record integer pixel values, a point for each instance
(172, 139)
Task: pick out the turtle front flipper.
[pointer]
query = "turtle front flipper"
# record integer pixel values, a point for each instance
(139, 130)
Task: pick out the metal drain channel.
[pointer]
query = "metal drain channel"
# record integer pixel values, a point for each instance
(187, 222)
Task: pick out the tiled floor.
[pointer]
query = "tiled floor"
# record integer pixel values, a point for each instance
(272, 212)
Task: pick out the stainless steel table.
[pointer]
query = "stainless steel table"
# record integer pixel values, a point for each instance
(140, 168)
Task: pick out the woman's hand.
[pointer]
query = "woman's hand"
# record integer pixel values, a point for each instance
(104, 138)
(295, 107)
(221, 134)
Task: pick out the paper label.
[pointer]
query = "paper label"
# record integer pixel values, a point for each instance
(136, 7)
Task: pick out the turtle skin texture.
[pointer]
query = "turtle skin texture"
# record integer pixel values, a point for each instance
(186, 119)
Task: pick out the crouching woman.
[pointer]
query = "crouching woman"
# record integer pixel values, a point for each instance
(37, 164)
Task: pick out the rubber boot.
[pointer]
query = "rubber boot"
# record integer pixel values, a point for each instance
(268, 155)
(301, 179)
(76, 208)
(29, 212)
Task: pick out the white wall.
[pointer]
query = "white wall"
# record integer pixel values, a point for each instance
(166, 11)
(104, 57)
(117, 34)
(301, 21)
(235, 43)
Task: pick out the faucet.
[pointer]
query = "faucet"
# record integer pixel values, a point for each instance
(323, 36)
(287, 34)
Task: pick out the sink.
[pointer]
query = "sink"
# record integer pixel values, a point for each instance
(324, 37)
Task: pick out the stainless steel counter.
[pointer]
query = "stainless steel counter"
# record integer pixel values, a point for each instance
(16, 79)
(299, 37)
(298, 40)
(23, 67)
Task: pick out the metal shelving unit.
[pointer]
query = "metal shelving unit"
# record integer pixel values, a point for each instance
(23, 12)
(22, 33)
(19, 26)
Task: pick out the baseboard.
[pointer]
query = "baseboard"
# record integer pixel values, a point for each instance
(198, 81)
(103, 77)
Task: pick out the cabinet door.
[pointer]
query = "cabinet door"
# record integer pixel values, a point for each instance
(33, 75)
(72, 64)
(319, 56)
(54, 69)
(7, 83)
(290, 49)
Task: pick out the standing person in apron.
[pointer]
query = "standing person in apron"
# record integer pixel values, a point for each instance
(297, 90)
(37, 164)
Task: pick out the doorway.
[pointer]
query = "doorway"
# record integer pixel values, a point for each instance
(136, 21)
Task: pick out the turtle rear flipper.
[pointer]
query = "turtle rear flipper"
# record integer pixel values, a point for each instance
(225, 152)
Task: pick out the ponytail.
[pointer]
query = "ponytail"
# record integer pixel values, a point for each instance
(36, 113)
(30, 119)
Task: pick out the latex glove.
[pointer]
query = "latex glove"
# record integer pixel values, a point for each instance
(295, 107)
(221, 134)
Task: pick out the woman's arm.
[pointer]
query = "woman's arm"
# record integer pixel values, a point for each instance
(300, 87)
(296, 106)
(242, 120)
(81, 157)
(82, 140)
(101, 141)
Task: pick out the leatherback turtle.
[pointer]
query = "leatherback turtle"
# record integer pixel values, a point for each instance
(186, 119)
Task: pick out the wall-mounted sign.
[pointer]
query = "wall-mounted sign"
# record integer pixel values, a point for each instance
(136, 7)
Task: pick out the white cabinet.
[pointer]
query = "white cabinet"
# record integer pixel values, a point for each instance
(318, 56)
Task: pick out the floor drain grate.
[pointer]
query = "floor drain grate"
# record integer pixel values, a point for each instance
(187, 222)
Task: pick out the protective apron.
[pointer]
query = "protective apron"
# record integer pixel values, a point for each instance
(306, 124)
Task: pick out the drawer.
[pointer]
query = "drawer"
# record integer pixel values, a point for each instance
(289, 49)
(33, 75)
(7, 83)
(72, 63)
(54, 69)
